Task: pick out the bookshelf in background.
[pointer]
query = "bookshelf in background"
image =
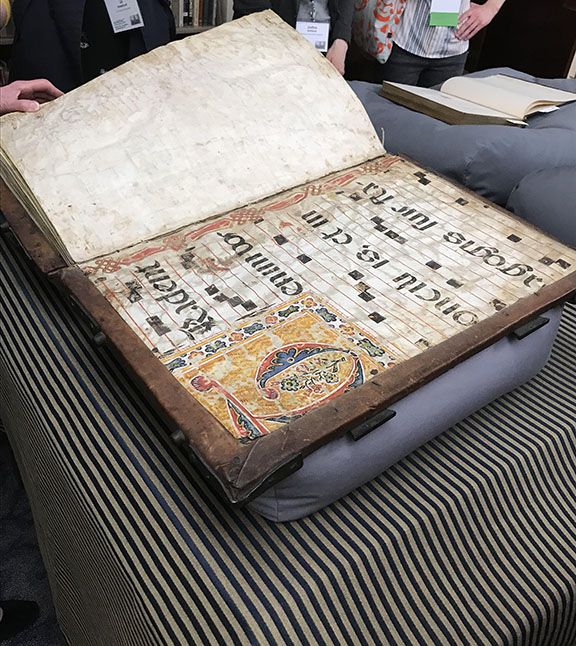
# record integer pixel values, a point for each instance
(192, 16)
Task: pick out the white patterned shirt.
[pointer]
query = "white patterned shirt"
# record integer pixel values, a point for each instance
(415, 35)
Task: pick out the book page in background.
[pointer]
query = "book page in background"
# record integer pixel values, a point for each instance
(497, 99)
(453, 102)
(504, 93)
(198, 127)
(533, 91)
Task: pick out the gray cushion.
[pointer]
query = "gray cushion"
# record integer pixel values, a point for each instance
(547, 199)
(343, 465)
(490, 160)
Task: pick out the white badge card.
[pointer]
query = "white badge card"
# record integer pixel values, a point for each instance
(124, 15)
(444, 13)
(315, 32)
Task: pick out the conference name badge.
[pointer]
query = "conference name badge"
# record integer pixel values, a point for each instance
(444, 13)
(315, 32)
(124, 15)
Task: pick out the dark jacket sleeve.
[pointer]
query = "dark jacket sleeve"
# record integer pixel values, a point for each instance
(159, 25)
(47, 42)
(245, 7)
(47, 38)
(286, 9)
(341, 12)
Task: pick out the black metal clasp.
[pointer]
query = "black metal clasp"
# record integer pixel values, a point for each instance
(370, 424)
(530, 326)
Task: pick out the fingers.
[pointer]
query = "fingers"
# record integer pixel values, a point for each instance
(468, 29)
(338, 64)
(473, 20)
(25, 105)
(26, 96)
(465, 17)
(39, 87)
(337, 54)
(470, 23)
(41, 97)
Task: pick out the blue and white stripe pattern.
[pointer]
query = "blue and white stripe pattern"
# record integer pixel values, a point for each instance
(415, 35)
(469, 541)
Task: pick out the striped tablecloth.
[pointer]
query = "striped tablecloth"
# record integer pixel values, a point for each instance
(470, 541)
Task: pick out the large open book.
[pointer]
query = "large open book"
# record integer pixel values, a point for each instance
(495, 100)
(224, 213)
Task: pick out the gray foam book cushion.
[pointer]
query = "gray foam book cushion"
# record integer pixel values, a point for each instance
(344, 464)
(490, 160)
(547, 199)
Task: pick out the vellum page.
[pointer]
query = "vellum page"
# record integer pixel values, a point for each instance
(531, 90)
(513, 96)
(486, 95)
(188, 131)
(269, 311)
(454, 102)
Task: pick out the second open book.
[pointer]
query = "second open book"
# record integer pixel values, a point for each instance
(492, 100)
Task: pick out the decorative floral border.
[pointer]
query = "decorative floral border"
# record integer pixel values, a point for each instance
(194, 355)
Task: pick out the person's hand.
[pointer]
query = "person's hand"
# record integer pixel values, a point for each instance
(26, 96)
(475, 19)
(337, 54)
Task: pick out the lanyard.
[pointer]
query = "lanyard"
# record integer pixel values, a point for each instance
(312, 10)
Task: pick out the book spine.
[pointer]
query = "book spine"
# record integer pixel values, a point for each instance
(177, 11)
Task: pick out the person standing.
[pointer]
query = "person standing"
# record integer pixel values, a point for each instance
(424, 55)
(334, 16)
(70, 42)
(406, 48)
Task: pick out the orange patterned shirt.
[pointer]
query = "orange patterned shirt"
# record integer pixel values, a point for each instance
(373, 25)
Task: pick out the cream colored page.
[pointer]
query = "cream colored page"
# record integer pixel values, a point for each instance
(451, 101)
(368, 267)
(532, 91)
(190, 130)
(510, 103)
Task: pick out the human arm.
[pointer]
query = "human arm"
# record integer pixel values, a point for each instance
(476, 18)
(341, 12)
(26, 96)
(336, 54)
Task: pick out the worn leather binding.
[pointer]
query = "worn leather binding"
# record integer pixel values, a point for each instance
(240, 470)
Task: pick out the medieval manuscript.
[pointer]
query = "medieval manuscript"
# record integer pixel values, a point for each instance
(223, 211)
(272, 309)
